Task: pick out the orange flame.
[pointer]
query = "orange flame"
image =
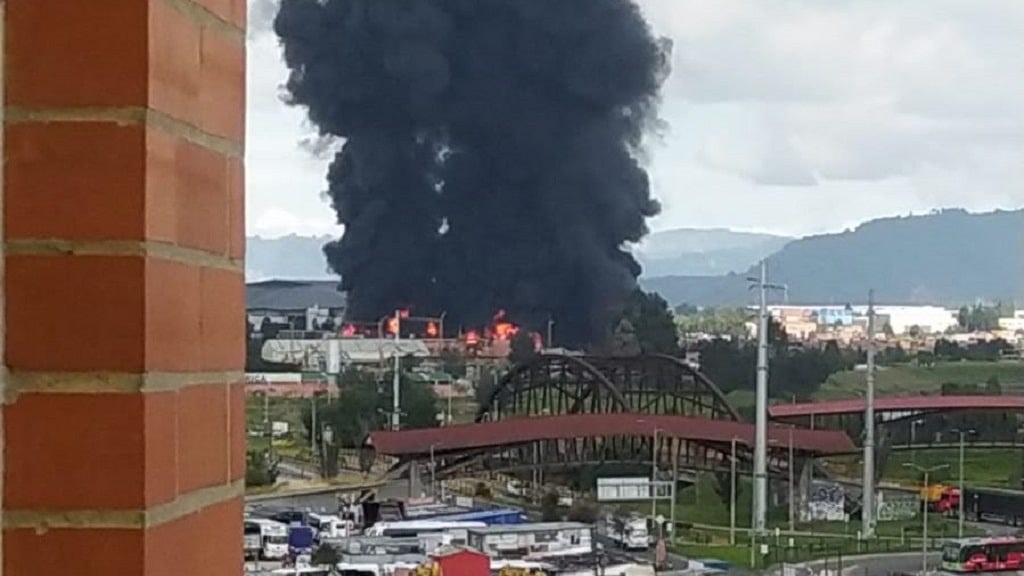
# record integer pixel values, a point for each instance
(505, 330)
(432, 330)
(348, 331)
(472, 338)
(501, 328)
(392, 325)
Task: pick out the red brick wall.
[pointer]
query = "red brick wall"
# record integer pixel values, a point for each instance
(123, 421)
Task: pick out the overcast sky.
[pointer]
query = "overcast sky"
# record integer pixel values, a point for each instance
(788, 116)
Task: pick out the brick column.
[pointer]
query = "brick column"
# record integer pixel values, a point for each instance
(123, 419)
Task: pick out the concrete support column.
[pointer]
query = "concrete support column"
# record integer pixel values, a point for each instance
(806, 468)
(123, 228)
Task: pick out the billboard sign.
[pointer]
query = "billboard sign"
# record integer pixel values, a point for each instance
(631, 489)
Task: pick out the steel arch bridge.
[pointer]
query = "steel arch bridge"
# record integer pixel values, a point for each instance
(649, 409)
(563, 384)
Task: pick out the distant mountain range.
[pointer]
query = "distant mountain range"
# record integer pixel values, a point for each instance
(683, 251)
(286, 258)
(704, 252)
(950, 257)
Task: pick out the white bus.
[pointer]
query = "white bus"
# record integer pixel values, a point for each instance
(329, 526)
(533, 541)
(273, 537)
(457, 531)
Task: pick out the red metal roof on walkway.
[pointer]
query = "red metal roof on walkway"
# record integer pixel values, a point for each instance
(899, 404)
(564, 427)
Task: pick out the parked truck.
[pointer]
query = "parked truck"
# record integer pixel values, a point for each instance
(629, 532)
(982, 504)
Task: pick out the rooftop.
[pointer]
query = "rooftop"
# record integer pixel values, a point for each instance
(533, 527)
(293, 295)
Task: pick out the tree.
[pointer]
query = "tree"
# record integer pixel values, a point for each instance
(888, 331)
(655, 328)
(481, 490)
(992, 386)
(453, 363)
(730, 322)
(583, 511)
(963, 317)
(521, 348)
(549, 507)
(260, 470)
(914, 331)
(485, 385)
(686, 309)
(362, 407)
(624, 340)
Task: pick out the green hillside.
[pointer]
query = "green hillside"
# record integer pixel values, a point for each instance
(908, 379)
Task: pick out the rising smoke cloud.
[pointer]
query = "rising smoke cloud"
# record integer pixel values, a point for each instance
(490, 156)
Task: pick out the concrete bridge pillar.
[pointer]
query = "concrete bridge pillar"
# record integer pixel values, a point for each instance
(804, 487)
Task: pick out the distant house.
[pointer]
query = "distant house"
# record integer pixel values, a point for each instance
(297, 304)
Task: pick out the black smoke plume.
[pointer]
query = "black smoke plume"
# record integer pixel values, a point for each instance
(490, 152)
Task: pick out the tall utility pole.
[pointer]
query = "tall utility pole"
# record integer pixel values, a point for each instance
(732, 493)
(312, 428)
(396, 405)
(924, 511)
(960, 499)
(760, 508)
(654, 473)
(761, 431)
(792, 502)
(868, 500)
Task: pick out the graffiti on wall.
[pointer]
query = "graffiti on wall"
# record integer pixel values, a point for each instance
(893, 505)
(826, 502)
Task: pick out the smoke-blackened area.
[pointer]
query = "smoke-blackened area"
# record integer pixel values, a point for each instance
(490, 152)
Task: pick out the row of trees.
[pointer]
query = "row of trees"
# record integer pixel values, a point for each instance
(984, 318)
(364, 404)
(793, 371)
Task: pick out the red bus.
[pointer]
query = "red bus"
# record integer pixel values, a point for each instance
(983, 554)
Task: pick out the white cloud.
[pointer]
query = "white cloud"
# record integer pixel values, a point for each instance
(275, 221)
(788, 115)
(846, 90)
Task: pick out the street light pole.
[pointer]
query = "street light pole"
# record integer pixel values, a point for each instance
(396, 406)
(913, 439)
(960, 498)
(312, 427)
(924, 512)
(732, 495)
(654, 473)
(792, 515)
(433, 477)
(868, 501)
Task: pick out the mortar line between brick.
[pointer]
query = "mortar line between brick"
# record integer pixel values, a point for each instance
(29, 382)
(132, 519)
(128, 116)
(205, 18)
(139, 248)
